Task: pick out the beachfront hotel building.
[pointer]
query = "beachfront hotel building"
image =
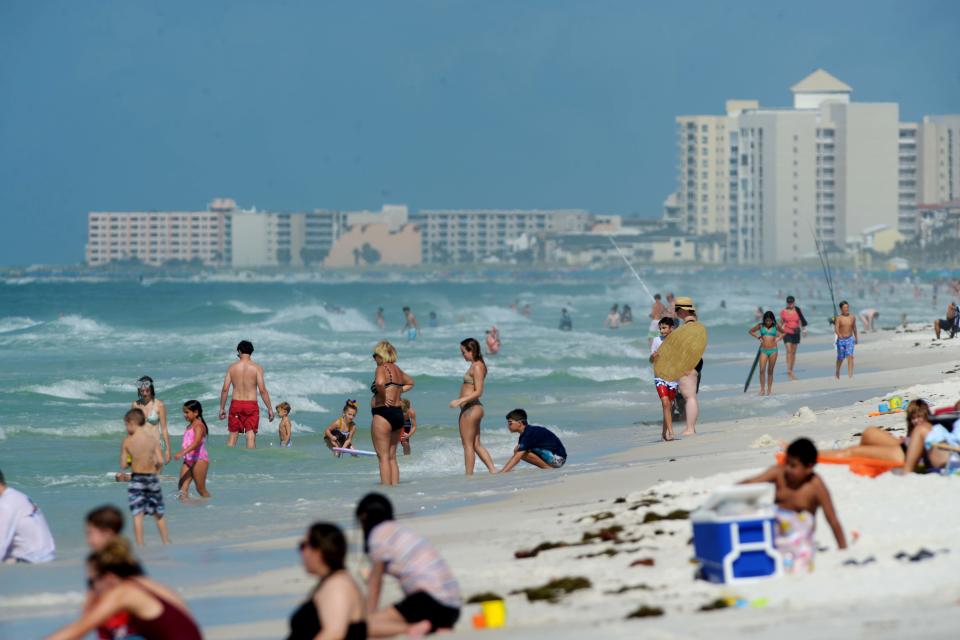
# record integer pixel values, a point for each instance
(473, 235)
(771, 181)
(156, 238)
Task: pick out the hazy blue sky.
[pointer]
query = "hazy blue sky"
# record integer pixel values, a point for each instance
(126, 105)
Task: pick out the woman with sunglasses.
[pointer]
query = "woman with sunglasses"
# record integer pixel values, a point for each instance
(387, 424)
(336, 609)
(155, 612)
(912, 450)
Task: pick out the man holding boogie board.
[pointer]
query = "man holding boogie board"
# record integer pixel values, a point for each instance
(680, 358)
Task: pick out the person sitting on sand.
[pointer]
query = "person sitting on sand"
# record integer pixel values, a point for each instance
(916, 448)
(24, 534)
(432, 598)
(340, 432)
(947, 324)
(335, 608)
(800, 492)
(141, 452)
(537, 445)
(666, 390)
(116, 578)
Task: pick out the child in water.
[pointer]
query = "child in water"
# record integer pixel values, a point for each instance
(800, 492)
(285, 429)
(141, 452)
(409, 425)
(196, 461)
(667, 391)
(340, 432)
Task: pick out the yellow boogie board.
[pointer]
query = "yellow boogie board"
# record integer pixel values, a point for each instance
(681, 351)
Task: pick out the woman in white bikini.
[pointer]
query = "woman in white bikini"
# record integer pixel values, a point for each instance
(156, 413)
(471, 410)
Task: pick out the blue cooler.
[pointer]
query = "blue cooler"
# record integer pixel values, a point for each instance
(733, 534)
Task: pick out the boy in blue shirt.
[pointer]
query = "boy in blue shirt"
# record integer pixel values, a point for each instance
(537, 445)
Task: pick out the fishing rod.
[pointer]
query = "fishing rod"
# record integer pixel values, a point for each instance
(634, 271)
(827, 270)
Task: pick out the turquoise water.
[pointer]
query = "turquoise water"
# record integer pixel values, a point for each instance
(72, 352)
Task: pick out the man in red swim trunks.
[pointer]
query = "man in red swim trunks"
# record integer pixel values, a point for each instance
(246, 378)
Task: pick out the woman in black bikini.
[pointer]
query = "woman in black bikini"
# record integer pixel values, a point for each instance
(471, 411)
(387, 424)
(336, 607)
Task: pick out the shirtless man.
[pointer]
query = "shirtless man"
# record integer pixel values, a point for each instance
(846, 328)
(246, 378)
(412, 328)
(657, 311)
(946, 324)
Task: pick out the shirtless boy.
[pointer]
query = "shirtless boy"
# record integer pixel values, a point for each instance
(800, 492)
(141, 452)
(846, 328)
(246, 378)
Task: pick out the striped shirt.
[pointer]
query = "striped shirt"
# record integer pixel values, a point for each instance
(413, 561)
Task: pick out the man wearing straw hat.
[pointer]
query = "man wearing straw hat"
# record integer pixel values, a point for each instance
(690, 381)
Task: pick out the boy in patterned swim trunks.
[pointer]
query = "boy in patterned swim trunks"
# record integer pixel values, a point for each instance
(846, 328)
(141, 452)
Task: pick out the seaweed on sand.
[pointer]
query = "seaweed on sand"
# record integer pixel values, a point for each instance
(643, 611)
(607, 534)
(483, 597)
(676, 514)
(543, 546)
(553, 590)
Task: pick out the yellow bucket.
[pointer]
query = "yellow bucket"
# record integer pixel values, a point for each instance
(494, 613)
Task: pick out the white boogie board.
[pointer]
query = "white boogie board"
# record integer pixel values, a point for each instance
(355, 452)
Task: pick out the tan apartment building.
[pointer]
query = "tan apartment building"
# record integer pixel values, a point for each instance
(158, 237)
(939, 159)
(464, 236)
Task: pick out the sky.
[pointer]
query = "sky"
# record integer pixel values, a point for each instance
(119, 105)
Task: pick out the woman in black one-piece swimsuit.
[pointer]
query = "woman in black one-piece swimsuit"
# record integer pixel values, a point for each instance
(323, 551)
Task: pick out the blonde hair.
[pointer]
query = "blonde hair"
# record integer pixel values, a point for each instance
(386, 351)
(115, 557)
(405, 404)
(283, 405)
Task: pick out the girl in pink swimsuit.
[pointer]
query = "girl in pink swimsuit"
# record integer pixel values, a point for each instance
(196, 461)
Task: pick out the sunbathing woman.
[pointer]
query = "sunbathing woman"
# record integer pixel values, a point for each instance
(878, 444)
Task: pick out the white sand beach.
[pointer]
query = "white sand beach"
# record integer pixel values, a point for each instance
(879, 597)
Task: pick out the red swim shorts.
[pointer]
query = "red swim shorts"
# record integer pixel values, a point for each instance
(244, 416)
(665, 391)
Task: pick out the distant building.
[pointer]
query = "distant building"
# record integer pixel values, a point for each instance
(158, 237)
(464, 236)
(662, 246)
(766, 182)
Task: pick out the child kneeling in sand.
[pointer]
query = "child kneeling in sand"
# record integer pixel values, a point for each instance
(537, 445)
(141, 452)
(800, 492)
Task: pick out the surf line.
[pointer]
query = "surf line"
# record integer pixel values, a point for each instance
(634, 271)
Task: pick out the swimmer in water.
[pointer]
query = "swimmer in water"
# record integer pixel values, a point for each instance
(156, 413)
(340, 432)
(381, 321)
(411, 328)
(613, 318)
(493, 340)
(409, 425)
(471, 410)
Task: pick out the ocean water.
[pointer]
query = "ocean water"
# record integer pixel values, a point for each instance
(72, 351)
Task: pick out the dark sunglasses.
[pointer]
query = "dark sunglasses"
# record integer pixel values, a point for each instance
(89, 584)
(302, 545)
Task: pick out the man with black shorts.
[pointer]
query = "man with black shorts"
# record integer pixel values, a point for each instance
(793, 324)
